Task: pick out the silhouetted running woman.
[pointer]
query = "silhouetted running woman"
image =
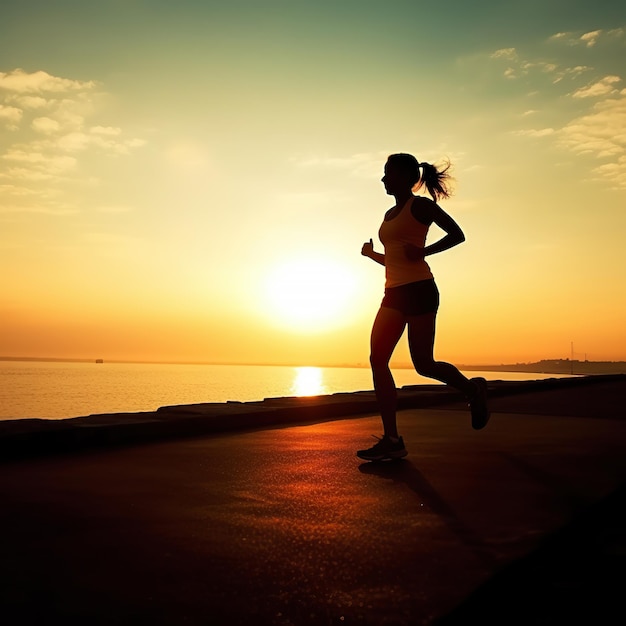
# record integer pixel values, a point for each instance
(411, 297)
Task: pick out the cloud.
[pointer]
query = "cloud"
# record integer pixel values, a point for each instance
(106, 137)
(15, 190)
(603, 87)
(16, 198)
(58, 133)
(516, 66)
(105, 130)
(26, 175)
(559, 37)
(616, 33)
(598, 130)
(45, 125)
(510, 54)
(588, 39)
(543, 132)
(73, 142)
(66, 101)
(78, 141)
(570, 72)
(601, 133)
(40, 82)
(10, 116)
(614, 172)
(28, 102)
(37, 209)
(45, 163)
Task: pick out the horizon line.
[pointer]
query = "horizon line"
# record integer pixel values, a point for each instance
(100, 360)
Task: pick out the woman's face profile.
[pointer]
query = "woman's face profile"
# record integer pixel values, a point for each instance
(395, 179)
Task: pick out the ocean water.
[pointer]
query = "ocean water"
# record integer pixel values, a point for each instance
(54, 390)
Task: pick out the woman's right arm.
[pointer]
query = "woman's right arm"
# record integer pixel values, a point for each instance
(368, 250)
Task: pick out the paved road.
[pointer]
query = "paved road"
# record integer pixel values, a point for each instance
(287, 527)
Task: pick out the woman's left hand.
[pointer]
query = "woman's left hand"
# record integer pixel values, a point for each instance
(413, 253)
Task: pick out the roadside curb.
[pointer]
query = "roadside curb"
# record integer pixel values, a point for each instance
(25, 438)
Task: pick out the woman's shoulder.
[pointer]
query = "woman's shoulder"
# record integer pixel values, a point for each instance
(389, 213)
(423, 209)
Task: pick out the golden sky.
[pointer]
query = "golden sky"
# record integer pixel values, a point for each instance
(193, 181)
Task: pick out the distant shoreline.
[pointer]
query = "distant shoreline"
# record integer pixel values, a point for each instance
(556, 366)
(545, 366)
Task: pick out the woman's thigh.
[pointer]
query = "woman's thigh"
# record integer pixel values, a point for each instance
(386, 332)
(422, 337)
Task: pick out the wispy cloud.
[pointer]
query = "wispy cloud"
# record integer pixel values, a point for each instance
(588, 39)
(603, 87)
(597, 132)
(570, 72)
(38, 209)
(542, 132)
(10, 116)
(50, 134)
(510, 54)
(27, 102)
(45, 125)
(37, 158)
(20, 81)
(591, 38)
(601, 131)
(614, 172)
(17, 198)
(517, 66)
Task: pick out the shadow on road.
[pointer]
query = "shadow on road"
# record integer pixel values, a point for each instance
(403, 471)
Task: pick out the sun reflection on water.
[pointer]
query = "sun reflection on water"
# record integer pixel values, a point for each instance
(308, 381)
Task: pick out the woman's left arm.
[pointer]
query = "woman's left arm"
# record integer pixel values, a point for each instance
(432, 213)
(453, 237)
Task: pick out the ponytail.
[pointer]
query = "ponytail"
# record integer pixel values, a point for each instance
(436, 181)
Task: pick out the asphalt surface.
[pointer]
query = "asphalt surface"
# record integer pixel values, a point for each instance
(521, 523)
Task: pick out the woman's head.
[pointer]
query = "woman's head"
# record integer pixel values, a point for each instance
(404, 170)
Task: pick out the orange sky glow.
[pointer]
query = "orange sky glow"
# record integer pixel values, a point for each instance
(196, 187)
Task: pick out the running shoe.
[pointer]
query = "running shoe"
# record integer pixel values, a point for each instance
(384, 450)
(479, 405)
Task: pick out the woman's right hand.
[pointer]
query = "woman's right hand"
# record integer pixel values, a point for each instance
(368, 248)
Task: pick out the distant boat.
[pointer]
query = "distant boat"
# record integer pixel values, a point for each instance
(99, 360)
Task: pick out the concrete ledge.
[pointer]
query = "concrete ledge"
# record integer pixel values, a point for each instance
(33, 437)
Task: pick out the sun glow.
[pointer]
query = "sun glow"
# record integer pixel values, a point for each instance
(310, 295)
(308, 381)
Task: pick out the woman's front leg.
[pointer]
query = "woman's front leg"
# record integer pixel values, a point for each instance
(386, 332)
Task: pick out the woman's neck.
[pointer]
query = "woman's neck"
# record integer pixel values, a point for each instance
(402, 198)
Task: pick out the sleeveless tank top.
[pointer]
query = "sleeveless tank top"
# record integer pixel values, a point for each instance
(394, 234)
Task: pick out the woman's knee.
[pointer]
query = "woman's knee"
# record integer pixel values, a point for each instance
(424, 367)
(379, 361)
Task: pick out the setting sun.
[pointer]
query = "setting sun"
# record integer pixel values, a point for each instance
(310, 295)
(201, 190)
